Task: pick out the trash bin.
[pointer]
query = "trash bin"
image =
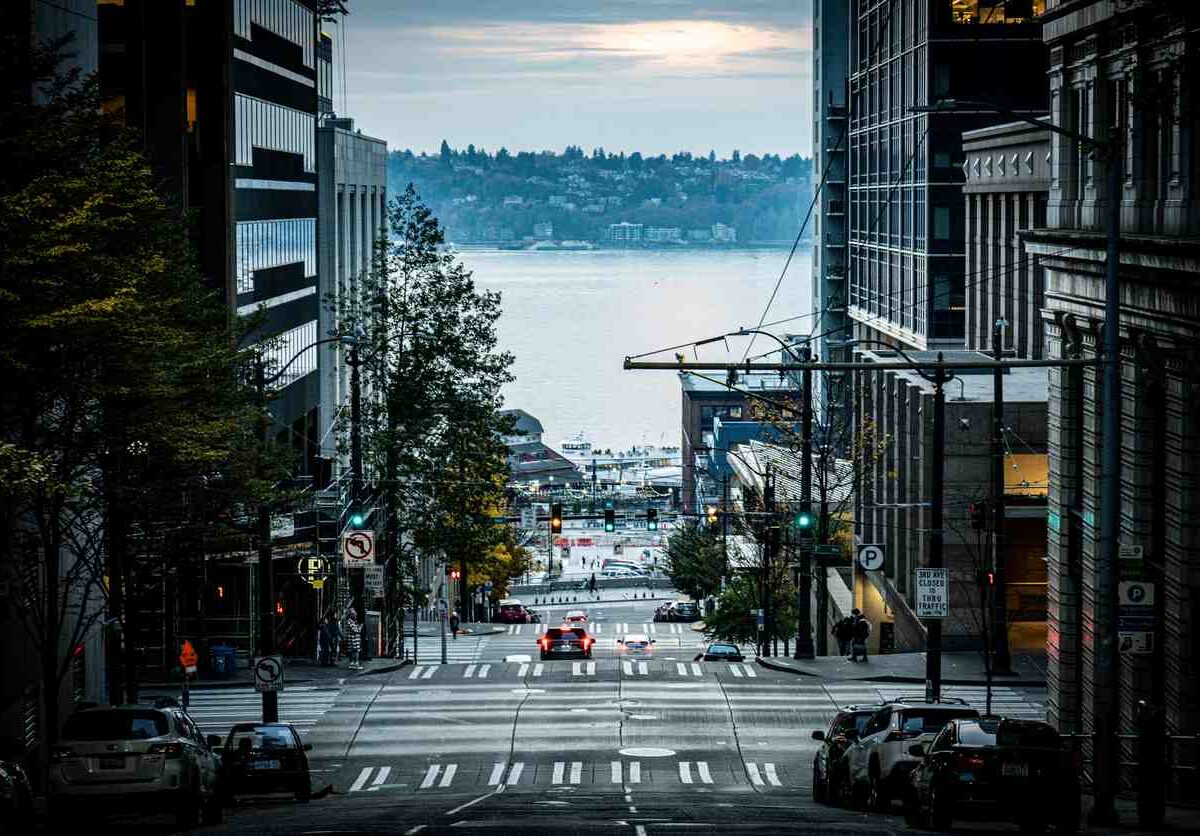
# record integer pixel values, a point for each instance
(224, 661)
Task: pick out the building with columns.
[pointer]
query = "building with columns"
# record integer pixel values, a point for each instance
(1128, 67)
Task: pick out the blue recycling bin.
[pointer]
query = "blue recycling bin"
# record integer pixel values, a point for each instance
(224, 661)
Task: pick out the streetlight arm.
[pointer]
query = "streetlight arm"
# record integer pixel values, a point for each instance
(344, 340)
(742, 332)
(902, 353)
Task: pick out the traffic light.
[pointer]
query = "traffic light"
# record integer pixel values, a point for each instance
(455, 573)
(804, 519)
(976, 514)
(357, 518)
(556, 518)
(652, 519)
(610, 520)
(711, 513)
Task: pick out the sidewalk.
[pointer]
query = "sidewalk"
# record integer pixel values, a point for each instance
(296, 671)
(961, 668)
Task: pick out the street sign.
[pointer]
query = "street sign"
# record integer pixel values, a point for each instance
(870, 557)
(283, 526)
(443, 607)
(933, 593)
(1135, 642)
(1130, 563)
(1135, 609)
(268, 674)
(487, 587)
(373, 579)
(188, 658)
(358, 549)
(312, 568)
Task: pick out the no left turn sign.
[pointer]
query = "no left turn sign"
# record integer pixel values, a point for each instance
(358, 549)
(268, 674)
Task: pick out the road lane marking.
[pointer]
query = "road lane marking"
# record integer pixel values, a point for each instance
(702, 768)
(627, 668)
(384, 771)
(685, 772)
(696, 669)
(643, 669)
(736, 671)
(483, 671)
(537, 669)
(635, 772)
(469, 672)
(362, 778)
(616, 772)
(576, 771)
(448, 775)
(752, 771)
(430, 775)
(521, 671)
(682, 668)
(429, 673)
(497, 774)
(514, 774)
(576, 669)
(750, 672)
(413, 831)
(772, 775)
(557, 776)
(416, 671)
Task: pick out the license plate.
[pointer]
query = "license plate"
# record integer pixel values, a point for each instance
(112, 763)
(1014, 770)
(264, 764)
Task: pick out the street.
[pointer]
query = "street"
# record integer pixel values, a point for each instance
(608, 745)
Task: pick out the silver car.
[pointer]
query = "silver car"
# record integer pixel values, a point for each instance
(137, 758)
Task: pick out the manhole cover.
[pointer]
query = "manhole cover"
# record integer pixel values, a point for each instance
(647, 752)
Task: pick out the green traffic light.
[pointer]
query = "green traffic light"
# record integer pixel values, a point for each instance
(357, 519)
(804, 520)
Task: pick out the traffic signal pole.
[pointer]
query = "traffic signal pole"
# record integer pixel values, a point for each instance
(804, 626)
(933, 640)
(266, 578)
(1001, 660)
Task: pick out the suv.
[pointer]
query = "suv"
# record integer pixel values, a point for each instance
(828, 766)
(566, 641)
(879, 762)
(512, 611)
(685, 611)
(136, 757)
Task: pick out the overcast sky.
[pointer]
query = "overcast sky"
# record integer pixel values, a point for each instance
(655, 76)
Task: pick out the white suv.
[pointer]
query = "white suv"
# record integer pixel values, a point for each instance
(136, 758)
(878, 762)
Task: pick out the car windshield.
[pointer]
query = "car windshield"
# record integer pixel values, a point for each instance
(722, 650)
(260, 737)
(927, 721)
(116, 724)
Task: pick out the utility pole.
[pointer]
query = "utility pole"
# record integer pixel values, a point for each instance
(767, 553)
(266, 575)
(1001, 660)
(357, 579)
(804, 626)
(933, 643)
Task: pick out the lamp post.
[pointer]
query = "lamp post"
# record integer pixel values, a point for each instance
(266, 575)
(1107, 568)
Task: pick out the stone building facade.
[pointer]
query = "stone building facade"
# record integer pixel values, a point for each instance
(1130, 66)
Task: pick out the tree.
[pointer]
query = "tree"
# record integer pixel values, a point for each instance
(695, 560)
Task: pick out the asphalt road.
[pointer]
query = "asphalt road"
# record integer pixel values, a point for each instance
(640, 746)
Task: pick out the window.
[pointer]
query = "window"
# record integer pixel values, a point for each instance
(263, 124)
(941, 223)
(294, 347)
(265, 244)
(286, 18)
(943, 741)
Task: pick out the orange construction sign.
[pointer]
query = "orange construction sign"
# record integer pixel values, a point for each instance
(187, 657)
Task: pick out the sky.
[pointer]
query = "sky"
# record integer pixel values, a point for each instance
(656, 76)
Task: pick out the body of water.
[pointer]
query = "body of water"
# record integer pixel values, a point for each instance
(572, 317)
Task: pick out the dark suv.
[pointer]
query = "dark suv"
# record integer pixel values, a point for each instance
(828, 769)
(685, 611)
(566, 641)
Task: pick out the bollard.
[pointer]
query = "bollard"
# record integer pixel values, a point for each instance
(1151, 760)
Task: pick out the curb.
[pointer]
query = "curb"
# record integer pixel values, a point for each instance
(775, 666)
(901, 680)
(385, 669)
(217, 685)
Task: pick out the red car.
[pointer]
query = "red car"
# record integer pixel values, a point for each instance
(512, 611)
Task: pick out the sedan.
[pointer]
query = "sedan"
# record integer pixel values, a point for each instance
(636, 644)
(265, 757)
(574, 617)
(828, 768)
(995, 769)
(723, 652)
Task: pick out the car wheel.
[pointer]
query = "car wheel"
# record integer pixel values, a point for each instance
(877, 800)
(304, 789)
(818, 790)
(939, 816)
(912, 808)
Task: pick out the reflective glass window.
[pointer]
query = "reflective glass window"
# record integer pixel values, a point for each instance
(285, 18)
(274, 243)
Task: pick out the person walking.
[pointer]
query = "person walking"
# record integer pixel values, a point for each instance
(327, 640)
(454, 622)
(354, 639)
(861, 631)
(843, 632)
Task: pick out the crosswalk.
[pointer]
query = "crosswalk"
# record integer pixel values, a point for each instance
(618, 628)
(216, 710)
(625, 667)
(429, 778)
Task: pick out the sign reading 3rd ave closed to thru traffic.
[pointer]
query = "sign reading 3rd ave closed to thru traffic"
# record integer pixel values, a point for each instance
(933, 593)
(358, 549)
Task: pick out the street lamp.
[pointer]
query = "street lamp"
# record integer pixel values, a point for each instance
(1107, 571)
(266, 575)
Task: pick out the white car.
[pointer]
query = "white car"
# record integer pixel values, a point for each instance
(878, 763)
(622, 572)
(636, 644)
(575, 617)
(135, 758)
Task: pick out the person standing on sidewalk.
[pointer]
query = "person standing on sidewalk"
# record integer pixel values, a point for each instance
(861, 632)
(354, 639)
(454, 622)
(843, 632)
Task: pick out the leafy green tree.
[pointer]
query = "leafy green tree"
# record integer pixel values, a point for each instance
(695, 560)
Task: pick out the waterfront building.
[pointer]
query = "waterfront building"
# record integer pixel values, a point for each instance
(1007, 184)
(699, 236)
(543, 230)
(1131, 66)
(664, 235)
(625, 233)
(723, 234)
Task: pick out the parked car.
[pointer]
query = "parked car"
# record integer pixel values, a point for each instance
(512, 611)
(828, 767)
(16, 798)
(723, 652)
(663, 611)
(685, 611)
(622, 572)
(136, 758)
(264, 758)
(565, 641)
(995, 768)
(879, 762)
(636, 644)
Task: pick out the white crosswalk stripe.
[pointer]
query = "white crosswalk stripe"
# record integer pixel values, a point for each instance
(497, 774)
(556, 776)
(576, 772)
(521, 671)
(635, 772)
(514, 773)
(736, 671)
(772, 775)
(362, 778)
(616, 772)
(469, 672)
(215, 711)
(583, 669)
(537, 669)
(430, 776)
(752, 771)
(702, 769)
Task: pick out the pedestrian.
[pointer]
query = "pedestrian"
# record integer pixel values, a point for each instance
(324, 642)
(843, 631)
(454, 625)
(861, 632)
(353, 639)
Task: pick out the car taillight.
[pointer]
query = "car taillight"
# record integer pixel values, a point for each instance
(968, 762)
(545, 643)
(170, 750)
(587, 643)
(61, 753)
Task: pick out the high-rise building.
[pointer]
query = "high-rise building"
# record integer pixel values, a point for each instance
(905, 253)
(224, 96)
(1127, 71)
